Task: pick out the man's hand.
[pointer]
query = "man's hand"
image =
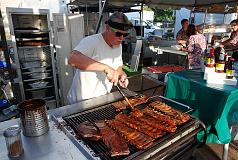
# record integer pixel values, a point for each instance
(112, 75)
(123, 81)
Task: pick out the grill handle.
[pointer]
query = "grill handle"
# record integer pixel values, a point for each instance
(205, 132)
(180, 104)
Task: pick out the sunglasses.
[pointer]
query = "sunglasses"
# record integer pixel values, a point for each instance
(119, 34)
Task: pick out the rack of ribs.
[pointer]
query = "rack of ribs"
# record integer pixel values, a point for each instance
(137, 139)
(142, 127)
(152, 121)
(161, 117)
(120, 105)
(117, 144)
(88, 131)
(170, 111)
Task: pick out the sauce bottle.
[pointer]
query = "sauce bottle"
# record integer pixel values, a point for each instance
(211, 58)
(220, 65)
(227, 57)
(230, 69)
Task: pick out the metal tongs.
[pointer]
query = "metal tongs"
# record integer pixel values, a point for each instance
(124, 96)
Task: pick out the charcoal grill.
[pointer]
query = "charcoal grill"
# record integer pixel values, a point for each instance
(170, 146)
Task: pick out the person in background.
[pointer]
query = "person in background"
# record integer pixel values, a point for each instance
(130, 41)
(98, 61)
(196, 46)
(232, 42)
(181, 36)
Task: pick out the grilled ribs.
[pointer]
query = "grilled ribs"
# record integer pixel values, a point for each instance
(182, 117)
(120, 105)
(160, 116)
(152, 121)
(142, 127)
(138, 139)
(117, 144)
(88, 131)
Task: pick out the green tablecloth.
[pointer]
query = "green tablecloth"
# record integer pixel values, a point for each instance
(215, 105)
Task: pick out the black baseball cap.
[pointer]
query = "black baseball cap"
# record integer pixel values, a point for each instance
(119, 20)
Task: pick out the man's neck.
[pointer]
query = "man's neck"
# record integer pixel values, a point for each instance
(105, 37)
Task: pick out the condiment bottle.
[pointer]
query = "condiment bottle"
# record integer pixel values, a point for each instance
(13, 141)
(227, 57)
(211, 58)
(230, 69)
(220, 65)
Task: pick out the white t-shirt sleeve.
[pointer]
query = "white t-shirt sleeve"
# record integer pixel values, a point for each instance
(86, 47)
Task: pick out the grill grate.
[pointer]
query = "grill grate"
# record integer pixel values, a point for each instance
(109, 112)
(106, 112)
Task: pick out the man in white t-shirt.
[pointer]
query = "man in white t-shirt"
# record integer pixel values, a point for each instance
(98, 59)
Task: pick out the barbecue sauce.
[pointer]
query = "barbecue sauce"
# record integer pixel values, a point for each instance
(230, 68)
(220, 65)
(211, 58)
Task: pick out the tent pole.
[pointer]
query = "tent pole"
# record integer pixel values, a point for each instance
(86, 6)
(100, 15)
(204, 21)
(224, 18)
(141, 55)
(190, 17)
(141, 20)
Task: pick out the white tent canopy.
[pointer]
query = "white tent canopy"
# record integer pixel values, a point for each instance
(163, 3)
(175, 4)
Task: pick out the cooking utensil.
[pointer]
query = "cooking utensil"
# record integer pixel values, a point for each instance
(124, 96)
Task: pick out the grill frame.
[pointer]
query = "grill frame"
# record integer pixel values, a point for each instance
(190, 128)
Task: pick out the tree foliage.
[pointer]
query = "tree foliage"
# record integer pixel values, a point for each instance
(163, 15)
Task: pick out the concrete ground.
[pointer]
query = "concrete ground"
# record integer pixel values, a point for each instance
(214, 152)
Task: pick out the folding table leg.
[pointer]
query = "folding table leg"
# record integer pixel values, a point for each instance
(226, 149)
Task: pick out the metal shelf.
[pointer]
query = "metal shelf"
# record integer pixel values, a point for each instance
(37, 67)
(26, 47)
(31, 31)
(35, 89)
(37, 79)
(25, 51)
(50, 99)
(32, 39)
(30, 80)
(46, 71)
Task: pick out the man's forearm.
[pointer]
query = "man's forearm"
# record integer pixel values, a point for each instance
(83, 62)
(227, 44)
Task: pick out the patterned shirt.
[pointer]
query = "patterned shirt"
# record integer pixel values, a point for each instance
(196, 46)
(181, 35)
